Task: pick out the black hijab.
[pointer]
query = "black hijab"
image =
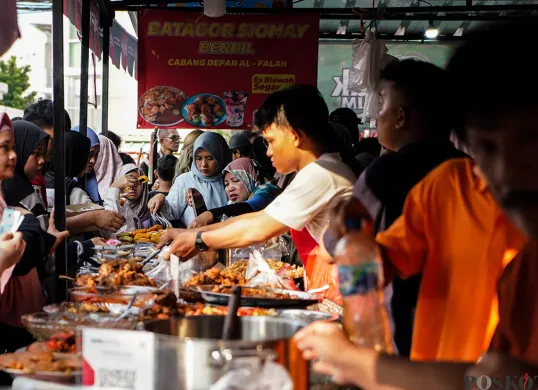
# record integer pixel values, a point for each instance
(27, 138)
(77, 151)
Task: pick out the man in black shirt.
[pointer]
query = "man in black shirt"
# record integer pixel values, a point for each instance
(413, 123)
(164, 175)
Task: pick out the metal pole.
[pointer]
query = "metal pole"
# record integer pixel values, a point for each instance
(59, 148)
(85, 57)
(106, 75)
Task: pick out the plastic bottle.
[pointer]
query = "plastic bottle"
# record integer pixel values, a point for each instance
(360, 275)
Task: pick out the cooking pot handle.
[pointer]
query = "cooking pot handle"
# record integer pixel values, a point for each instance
(222, 357)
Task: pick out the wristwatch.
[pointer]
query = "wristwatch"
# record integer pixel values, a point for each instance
(199, 243)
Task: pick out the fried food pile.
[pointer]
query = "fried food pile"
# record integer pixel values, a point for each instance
(31, 362)
(153, 235)
(117, 273)
(234, 275)
(165, 307)
(254, 292)
(82, 308)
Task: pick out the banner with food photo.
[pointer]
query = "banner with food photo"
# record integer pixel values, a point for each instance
(200, 72)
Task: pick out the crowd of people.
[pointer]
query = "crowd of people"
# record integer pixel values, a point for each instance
(452, 226)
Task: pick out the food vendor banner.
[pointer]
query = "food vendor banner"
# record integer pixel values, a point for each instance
(201, 72)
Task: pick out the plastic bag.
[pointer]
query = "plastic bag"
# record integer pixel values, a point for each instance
(259, 274)
(271, 376)
(366, 63)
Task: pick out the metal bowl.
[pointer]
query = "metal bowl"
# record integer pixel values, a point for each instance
(307, 316)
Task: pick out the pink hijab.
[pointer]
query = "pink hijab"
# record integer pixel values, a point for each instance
(107, 165)
(20, 294)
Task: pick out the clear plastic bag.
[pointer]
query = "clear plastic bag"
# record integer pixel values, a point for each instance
(366, 63)
(267, 376)
(259, 274)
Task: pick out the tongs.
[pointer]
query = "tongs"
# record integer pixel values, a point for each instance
(153, 253)
(159, 217)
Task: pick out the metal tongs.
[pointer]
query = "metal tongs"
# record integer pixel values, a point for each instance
(152, 254)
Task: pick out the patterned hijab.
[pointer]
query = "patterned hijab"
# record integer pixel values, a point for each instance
(135, 211)
(243, 169)
(107, 165)
(5, 125)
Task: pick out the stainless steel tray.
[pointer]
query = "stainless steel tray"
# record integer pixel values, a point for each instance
(302, 299)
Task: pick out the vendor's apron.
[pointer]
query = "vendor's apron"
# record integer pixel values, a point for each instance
(317, 272)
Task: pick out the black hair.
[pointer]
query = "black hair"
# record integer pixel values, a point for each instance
(245, 151)
(126, 159)
(41, 113)
(369, 145)
(16, 118)
(166, 167)
(116, 139)
(300, 107)
(303, 108)
(424, 87)
(484, 82)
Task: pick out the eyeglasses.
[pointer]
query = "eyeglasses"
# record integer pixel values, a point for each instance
(174, 138)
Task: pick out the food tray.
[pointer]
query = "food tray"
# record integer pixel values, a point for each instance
(144, 295)
(112, 308)
(307, 316)
(302, 299)
(45, 325)
(69, 377)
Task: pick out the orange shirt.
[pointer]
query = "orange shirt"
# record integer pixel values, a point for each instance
(454, 234)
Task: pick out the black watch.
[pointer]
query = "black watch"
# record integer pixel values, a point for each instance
(199, 243)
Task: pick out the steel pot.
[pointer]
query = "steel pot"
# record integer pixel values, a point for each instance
(199, 358)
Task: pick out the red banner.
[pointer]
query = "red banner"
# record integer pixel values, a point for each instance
(201, 72)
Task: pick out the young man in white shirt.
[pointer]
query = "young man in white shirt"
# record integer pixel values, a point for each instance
(294, 122)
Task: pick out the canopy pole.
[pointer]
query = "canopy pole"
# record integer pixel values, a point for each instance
(59, 154)
(85, 56)
(105, 23)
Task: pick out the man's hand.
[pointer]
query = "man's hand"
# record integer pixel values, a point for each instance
(12, 248)
(124, 182)
(335, 355)
(108, 220)
(60, 236)
(98, 241)
(203, 219)
(156, 203)
(184, 246)
(496, 364)
(168, 236)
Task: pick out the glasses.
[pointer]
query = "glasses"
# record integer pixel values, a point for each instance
(173, 138)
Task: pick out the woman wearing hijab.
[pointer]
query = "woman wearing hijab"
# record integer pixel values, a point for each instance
(135, 209)
(31, 148)
(184, 162)
(107, 165)
(211, 155)
(23, 293)
(245, 192)
(91, 181)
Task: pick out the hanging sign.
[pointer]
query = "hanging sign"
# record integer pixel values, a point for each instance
(201, 72)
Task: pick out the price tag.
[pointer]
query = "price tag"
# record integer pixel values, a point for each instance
(118, 359)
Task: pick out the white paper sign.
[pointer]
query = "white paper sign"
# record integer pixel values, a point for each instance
(118, 359)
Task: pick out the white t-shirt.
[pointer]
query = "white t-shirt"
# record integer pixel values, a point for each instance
(304, 202)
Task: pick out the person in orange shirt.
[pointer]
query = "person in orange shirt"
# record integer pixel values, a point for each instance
(454, 234)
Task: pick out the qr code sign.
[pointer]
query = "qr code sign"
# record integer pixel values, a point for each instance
(119, 379)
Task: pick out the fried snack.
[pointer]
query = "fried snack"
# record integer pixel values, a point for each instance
(30, 362)
(123, 234)
(155, 228)
(126, 239)
(139, 231)
(254, 292)
(234, 275)
(117, 273)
